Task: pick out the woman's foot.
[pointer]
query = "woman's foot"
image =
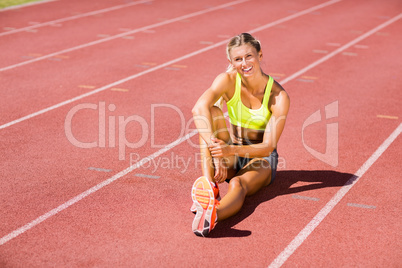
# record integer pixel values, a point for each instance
(216, 193)
(203, 197)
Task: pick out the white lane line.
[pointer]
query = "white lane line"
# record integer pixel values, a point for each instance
(124, 34)
(295, 15)
(94, 189)
(74, 200)
(166, 64)
(96, 12)
(301, 237)
(337, 51)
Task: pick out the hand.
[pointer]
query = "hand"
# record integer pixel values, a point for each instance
(221, 169)
(218, 148)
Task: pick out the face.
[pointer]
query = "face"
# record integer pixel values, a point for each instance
(245, 59)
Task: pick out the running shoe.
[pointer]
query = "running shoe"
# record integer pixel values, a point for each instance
(216, 193)
(203, 197)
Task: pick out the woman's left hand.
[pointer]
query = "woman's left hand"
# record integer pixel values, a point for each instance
(219, 148)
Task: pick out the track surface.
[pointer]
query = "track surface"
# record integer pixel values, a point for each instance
(73, 72)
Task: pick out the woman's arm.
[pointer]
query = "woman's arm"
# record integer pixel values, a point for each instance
(214, 168)
(272, 134)
(201, 110)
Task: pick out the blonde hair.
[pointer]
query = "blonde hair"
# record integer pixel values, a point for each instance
(239, 40)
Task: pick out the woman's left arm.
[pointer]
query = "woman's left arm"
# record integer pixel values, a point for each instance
(272, 133)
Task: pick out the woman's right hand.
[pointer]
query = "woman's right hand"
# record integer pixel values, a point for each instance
(221, 169)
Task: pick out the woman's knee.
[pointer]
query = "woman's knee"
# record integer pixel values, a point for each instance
(236, 183)
(219, 124)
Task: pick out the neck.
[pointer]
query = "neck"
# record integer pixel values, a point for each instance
(255, 82)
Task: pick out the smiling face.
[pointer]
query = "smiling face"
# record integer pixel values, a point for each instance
(245, 59)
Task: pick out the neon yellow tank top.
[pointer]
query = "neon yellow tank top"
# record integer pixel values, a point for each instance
(241, 115)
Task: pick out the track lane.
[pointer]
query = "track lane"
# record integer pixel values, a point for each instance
(150, 251)
(364, 228)
(114, 64)
(27, 16)
(36, 25)
(372, 70)
(94, 69)
(90, 125)
(98, 29)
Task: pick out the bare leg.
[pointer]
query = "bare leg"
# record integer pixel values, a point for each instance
(248, 181)
(221, 132)
(255, 175)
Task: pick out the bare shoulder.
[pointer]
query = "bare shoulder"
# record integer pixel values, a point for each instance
(224, 83)
(279, 101)
(224, 80)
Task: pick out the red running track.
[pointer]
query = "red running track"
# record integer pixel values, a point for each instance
(62, 205)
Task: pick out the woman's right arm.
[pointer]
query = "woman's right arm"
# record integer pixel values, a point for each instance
(202, 109)
(204, 122)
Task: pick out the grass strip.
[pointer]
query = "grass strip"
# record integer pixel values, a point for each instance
(9, 3)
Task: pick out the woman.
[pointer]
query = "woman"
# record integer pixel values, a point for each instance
(246, 157)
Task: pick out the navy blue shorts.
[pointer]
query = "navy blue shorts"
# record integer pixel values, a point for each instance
(272, 160)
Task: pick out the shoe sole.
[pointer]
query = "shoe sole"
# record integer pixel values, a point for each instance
(193, 209)
(204, 200)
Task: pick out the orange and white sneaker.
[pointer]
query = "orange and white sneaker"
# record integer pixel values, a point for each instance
(216, 195)
(203, 197)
